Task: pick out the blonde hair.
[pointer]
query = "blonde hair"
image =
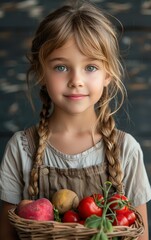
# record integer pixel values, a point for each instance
(96, 37)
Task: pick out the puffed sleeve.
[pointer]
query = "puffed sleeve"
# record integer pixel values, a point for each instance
(136, 182)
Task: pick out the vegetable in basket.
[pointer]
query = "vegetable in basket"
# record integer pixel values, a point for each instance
(116, 211)
(75, 62)
(40, 209)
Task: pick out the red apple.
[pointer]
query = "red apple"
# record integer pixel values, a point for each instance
(21, 204)
(40, 210)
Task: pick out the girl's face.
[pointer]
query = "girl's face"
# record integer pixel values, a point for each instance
(74, 81)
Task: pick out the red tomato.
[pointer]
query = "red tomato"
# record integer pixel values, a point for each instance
(70, 216)
(81, 222)
(131, 217)
(115, 206)
(88, 207)
(120, 220)
(97, 196)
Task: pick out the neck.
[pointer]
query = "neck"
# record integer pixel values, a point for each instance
(72, 123)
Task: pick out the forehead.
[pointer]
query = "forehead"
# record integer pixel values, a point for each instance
(68, 48)
(68, 45)
(70, 52)
(71, 46)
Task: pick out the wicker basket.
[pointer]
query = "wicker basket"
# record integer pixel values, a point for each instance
(47, 230)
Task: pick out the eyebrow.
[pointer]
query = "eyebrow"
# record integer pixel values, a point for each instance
(57, 59)
(65, 59)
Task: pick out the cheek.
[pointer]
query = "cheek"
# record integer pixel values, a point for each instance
(96, 85)
(54, 88)
(51, 80)
(96, 89)
(54, 79)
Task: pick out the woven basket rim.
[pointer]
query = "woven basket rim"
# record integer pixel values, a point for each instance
(28, 226)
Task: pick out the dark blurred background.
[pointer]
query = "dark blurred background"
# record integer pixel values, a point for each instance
(18, 21)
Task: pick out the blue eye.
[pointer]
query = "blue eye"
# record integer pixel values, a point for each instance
(91, 68)
(61, 68)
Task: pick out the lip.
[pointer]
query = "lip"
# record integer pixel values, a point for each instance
(76, 96)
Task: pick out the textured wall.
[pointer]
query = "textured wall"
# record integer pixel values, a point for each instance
(18, 20)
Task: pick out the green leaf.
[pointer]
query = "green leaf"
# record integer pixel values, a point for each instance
(93, 222)
(103, 236)
(56, 215)
(96, 237)
(109, 227)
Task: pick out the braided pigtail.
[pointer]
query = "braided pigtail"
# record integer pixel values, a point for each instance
(43, 134)
(112, 152)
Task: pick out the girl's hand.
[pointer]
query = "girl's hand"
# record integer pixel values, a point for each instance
(6, 229)
(142, 209)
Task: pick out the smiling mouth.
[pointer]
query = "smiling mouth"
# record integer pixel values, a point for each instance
(76, 96)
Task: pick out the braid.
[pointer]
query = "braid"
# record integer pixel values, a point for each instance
(43, 134)
(112, 154)
(112, 151)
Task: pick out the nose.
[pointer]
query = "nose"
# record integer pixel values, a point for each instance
(75, 80)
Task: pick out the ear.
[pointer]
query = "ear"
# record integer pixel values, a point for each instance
(107, 80)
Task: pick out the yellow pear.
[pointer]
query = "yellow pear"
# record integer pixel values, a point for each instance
(64, 200)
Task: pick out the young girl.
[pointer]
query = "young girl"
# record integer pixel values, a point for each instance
(75, 60)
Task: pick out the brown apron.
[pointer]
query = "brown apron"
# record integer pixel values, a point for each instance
(84, 181)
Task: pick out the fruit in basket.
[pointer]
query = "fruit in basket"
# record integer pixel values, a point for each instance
(111, 217)
(40, 210)
(120, 220)
(119, 207)
(64, 200)
(23, 203)
(131, 216)
(88, 206)
(70, 216)
(98, 197)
